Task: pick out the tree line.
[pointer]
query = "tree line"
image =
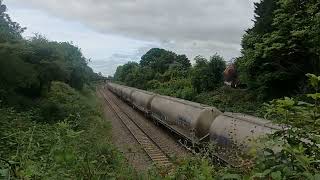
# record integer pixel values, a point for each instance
(168, 73)
(282, 47)
(51, 122)
(277, 52)
(28, 66)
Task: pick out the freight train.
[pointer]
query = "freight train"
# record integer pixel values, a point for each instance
(196, 122)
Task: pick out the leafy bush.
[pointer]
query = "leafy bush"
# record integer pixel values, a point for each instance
(61, 102)
(27, 67)
(299, 157)
(232, 100)
(180, 88)
(208, 75)
(77, 146)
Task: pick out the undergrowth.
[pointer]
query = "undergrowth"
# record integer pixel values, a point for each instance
(293, 152)
(74, 144)
(229, 99)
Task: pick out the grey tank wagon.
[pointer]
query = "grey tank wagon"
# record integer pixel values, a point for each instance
(196, 122)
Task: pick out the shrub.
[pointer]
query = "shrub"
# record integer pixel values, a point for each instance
(180, 88)
(232, 100)
(60, 150)
(299, 157)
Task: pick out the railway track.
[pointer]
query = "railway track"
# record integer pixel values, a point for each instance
(167, 142)
(152, 149)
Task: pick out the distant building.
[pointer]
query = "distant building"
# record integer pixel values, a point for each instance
(230, 75)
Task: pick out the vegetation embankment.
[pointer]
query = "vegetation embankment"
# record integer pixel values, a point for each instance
(75, 143)
(51, 125)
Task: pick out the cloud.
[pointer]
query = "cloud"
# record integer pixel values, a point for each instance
(191, 27)
(108, 66)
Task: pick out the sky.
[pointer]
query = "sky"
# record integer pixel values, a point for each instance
(113, 32)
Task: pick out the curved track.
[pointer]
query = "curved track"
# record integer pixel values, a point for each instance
(153, 150)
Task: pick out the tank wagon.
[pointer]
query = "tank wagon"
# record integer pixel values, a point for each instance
(194, 121)
(186, 118)
(239, 129)
(115, 88)
(142, 100)
(126, 93)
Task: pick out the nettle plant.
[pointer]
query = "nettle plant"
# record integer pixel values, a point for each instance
(299, 155)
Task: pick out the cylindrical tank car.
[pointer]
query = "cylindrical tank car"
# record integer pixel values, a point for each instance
(196, 121)
(240, 129)
(142, 100)
(191, 119)
(126, 93)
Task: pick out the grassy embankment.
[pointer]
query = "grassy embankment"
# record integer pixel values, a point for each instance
(76, 147)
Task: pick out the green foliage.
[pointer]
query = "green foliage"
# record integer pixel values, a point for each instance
(189, 168)
(61, 103)
(160, 60)
(9, 30)
(62, 134)
(33, 150)
(208, 75)
(132, 74)
(194, 168)
(166, 73)
(281, 47)
(264, 16)
(156, 64)
(160, 71)
(27, 67)
(59, 61)
(299, 155)
(298, 113)
(231, 100)
(180, 88)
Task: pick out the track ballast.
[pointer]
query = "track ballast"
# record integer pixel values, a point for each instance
(152, 149)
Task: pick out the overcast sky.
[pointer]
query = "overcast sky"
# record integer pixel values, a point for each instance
(112, 32)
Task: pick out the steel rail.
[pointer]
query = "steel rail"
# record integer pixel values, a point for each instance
(152, 149)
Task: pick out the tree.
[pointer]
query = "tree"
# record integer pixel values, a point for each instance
(28, 67)
(123, 71)
(160, 60)
(183, 61)
(281, 47)
(216, 67)
(9, 30)
(208, 75)
(200, 74)
(157, 64)
(264, 16)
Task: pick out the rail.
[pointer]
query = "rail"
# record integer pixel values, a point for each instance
(153, 150)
